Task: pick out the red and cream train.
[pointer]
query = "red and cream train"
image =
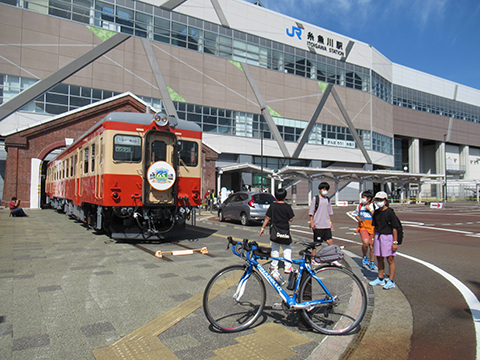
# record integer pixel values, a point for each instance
(131, 175)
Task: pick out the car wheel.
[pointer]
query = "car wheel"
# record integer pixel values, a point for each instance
(220, 216)
(244, 219)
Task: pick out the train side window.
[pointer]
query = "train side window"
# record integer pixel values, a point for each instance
(159, 151)
(67, 166)
(127, 148)
(188, 151)
(85, 161)
(75, 165)
(93, 157)
(101, 150)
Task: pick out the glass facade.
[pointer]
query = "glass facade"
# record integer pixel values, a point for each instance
(65, 97)
(421, 101)
(151, 22)
(230, 122)
(148, 21)
(59, 99)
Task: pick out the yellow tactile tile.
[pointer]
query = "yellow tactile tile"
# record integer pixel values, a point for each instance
(138, 348)
(145, 348)
(236, 352)
(264, 346)
(282, 335)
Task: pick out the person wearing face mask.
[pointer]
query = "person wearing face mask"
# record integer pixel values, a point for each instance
(385, 242)
(364, 216)
(320, 216)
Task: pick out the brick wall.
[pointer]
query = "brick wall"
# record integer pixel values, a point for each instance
(27, 144)
(209, 158)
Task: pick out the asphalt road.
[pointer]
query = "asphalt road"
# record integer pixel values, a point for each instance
(443, 325)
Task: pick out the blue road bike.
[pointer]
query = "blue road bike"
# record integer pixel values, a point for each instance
(330, 298)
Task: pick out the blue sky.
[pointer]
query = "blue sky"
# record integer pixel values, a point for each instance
(439, 37)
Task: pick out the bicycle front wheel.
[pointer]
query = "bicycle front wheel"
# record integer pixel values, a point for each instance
(232, 303)
(349, 300)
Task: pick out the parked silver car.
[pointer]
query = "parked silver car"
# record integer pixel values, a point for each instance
(245, 206)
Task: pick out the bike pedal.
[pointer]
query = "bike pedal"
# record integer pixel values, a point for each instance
(277, 306)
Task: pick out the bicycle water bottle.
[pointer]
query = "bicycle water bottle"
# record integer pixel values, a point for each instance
(292, 279)
(278, 278)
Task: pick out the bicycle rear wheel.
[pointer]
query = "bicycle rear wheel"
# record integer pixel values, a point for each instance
(231, 306)
(349, 305)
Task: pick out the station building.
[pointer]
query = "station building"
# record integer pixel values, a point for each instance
(270, 92)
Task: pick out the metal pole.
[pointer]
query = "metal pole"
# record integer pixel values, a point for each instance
(261, 150)
(445, 155)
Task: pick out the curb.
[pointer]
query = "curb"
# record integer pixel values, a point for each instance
(376, 326)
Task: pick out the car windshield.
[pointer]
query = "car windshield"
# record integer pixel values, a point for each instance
(263, 198)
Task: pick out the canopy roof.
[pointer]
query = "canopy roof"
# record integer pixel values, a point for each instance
(309, 173)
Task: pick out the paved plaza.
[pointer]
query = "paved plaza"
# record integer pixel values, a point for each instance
(67, 292)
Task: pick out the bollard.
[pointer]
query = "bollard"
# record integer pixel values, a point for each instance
(193, 217)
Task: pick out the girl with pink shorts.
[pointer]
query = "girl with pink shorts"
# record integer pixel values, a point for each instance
(385, 244)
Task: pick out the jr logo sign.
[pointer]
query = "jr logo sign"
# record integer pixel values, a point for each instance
(295, 31)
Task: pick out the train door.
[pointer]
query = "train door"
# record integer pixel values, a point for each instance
(78, 169)
(160, 169)
(100, 171)
(97, 169)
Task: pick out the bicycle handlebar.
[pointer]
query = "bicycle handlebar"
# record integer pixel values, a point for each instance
(247, 246)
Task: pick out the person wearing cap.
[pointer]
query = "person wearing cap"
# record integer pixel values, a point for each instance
(385, 242)
(364, 216)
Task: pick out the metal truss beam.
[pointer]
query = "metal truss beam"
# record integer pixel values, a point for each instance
(313, 120)
(220, 13)
(157, 74)
(349, 122)
(172, 4)
(58, 76)
(266, 113)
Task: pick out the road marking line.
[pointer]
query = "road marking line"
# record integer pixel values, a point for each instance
(440, 229)
(467, 294)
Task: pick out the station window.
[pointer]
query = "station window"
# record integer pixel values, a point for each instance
(127, 148)
(188, 151)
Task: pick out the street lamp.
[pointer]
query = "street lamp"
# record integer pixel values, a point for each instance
(261, 150)
(445, 158)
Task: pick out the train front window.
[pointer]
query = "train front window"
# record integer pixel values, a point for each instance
(159, 151)
(188, 151)
(127, 148)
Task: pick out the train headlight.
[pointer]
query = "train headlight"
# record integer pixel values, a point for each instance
(161, 119)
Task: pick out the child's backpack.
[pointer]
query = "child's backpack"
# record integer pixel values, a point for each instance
(399, 230)
(328, 254)
(317, 202)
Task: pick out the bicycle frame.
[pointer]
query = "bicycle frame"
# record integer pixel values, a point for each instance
(251, 260)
